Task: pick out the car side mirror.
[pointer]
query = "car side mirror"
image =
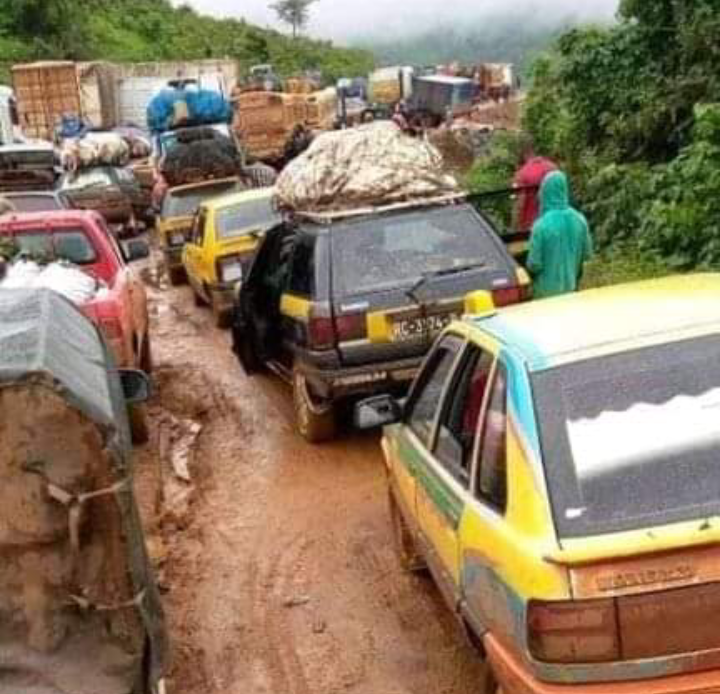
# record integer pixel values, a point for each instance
(136, 386)
(377, 412)
(136, 249)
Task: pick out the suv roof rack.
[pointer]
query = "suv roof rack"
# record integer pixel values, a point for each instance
(333, 216)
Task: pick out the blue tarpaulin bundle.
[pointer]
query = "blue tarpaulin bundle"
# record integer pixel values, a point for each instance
(173, 108)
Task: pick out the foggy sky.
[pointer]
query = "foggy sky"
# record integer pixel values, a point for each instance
(348, 19)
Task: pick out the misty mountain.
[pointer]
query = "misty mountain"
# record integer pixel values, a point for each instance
(511, 39)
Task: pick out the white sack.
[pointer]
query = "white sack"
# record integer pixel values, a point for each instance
(61, 277)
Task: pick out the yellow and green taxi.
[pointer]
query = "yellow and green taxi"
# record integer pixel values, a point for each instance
(224, 238)
(556, 466)
(175, 221)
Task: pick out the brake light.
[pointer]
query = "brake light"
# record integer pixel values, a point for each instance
(351, 326)
(112, 329)
(321, 332)
(573, 632)
(510, 295)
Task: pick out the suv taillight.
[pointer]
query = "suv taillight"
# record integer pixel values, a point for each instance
(510, 295)
(573, 632)
(351, 326)
(321, 330)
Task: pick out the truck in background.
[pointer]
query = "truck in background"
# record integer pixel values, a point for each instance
(437, 97)
(104, 95)
(265, 122)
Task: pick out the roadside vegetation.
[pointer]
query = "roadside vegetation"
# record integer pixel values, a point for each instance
(632, 112)
(147, 30)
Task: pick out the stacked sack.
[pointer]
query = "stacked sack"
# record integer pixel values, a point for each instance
(369, 166)
(95, 149)
(199, 154)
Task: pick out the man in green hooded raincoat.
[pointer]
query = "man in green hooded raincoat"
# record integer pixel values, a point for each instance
(560, 242)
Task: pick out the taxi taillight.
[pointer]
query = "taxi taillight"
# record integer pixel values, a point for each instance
(574, 631)
(510, 295)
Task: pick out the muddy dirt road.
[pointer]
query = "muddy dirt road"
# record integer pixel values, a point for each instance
(281, 578)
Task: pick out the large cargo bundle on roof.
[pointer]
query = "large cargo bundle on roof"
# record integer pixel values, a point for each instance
(173, 108)
(198, 154)
(95, 149)
(373, 165)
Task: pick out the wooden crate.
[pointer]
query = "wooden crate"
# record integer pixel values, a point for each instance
(45, 93)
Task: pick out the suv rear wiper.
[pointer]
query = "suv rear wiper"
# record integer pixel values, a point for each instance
(411, 293)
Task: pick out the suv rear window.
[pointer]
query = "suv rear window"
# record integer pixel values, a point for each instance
(632, 441)
(69, 244)
(35, 203)
(185, 203)
(378, 253)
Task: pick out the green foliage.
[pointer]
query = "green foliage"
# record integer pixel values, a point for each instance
(495, 172)
(146, 30)
(623, 262)
(632, 113)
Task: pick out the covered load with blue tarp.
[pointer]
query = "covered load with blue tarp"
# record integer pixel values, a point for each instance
(174, 108)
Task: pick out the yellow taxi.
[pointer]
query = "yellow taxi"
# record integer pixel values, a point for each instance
(224, 237)
(174, 223)
(556, 467)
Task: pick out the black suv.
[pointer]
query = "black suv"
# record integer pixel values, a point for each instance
(347, 306)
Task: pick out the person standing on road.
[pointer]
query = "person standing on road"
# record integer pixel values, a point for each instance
(560, 243)
(528, 179)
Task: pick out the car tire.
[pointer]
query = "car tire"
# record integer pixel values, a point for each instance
(177, 276)
(410, 557)
(139, 427)
(316, 422)
(146, 358)
(223, 319)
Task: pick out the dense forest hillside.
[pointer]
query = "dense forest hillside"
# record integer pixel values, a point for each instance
(139, 30)
(633, 113)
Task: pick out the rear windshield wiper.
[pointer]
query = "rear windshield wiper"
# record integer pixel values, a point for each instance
(447, 272)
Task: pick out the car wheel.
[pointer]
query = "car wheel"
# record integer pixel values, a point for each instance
(177, 276)
(406, 549)
(315, 421)
(146, 359)
(222, 317)
(139, 428)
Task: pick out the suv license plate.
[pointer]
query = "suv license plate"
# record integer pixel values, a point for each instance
(411, 328)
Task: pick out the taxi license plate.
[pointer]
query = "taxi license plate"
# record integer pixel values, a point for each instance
(411, 328)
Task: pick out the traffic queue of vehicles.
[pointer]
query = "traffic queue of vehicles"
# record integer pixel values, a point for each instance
(552, 464)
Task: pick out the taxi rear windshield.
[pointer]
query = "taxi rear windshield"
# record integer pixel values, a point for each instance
(251, 215)
(632, 441)
(185, 203)
(396, 250)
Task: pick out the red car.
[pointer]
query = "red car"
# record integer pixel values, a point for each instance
(83, 238)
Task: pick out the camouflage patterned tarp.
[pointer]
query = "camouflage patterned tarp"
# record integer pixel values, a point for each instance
(372, 165)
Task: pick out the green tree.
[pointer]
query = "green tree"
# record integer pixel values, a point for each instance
(296, 13)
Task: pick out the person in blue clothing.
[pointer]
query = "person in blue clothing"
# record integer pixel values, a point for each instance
(560, 243)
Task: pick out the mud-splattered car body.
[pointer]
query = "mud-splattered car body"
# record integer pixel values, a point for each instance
(79, 607)
(555, 468)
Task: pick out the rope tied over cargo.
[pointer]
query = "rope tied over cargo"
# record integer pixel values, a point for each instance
(87, 605)
(74, 503)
